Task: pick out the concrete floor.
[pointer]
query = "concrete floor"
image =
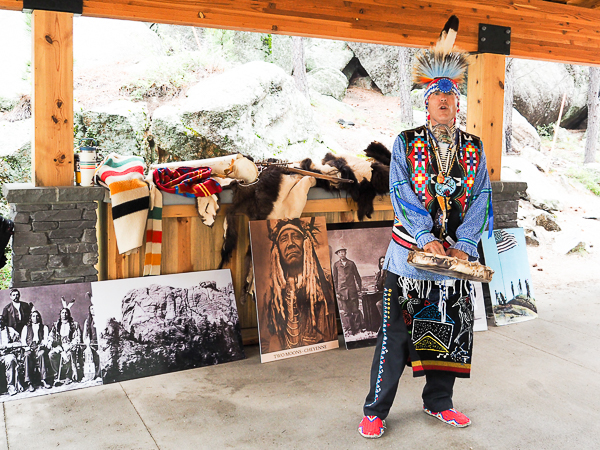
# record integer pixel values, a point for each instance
(534, 385)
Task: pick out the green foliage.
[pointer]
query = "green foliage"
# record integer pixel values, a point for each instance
(546, 131)
(220, 38)
(588, 177)
(28, 17)
(15, 168)
(5, 272)
(267, 41)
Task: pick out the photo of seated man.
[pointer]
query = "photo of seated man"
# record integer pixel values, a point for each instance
(65, 354)
(90, 339)
(9, 339)
(36, 337)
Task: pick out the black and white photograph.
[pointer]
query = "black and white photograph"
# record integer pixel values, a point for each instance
(294, 292)
(358, 253)
(48, 340)
(154, 325)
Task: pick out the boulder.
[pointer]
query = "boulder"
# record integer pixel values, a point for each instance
(524, 135)
(539, 87)
(381, 63)
(579, 249)
(254, 109)
(328, 81)
(178, 142)
(143, 308)
(272, 48)
(120, 127)
(531, 238)
(362, 82)
(320, 53)
(547, 221)
(15, 76)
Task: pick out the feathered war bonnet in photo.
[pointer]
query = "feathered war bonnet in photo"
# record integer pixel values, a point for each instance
(440, 68)
(312, 280)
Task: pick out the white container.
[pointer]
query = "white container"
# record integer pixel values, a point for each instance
(87, 162)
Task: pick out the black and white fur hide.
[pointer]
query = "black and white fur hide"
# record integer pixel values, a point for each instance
(369, 178)
(256, 201)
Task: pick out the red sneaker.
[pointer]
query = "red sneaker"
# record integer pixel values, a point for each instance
(371, 427)
(451, 417)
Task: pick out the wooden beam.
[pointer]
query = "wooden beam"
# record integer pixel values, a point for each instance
(485, 107)
(11, 5)
(52, 149)
(584, 3)
(540, 29)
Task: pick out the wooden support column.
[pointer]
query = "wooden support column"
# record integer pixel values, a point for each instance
(485, 106)
(52, 149)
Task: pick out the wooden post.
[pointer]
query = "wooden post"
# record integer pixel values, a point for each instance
(52, 149)
(485, 106)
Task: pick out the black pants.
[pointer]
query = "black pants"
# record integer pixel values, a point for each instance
(391, 356)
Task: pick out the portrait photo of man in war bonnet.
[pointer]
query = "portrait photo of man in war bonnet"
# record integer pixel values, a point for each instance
(297, 307)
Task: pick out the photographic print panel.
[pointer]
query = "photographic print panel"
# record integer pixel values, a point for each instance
(511, 289)
(47, 341)
(357, 252)
(294, 295)
(154, 325)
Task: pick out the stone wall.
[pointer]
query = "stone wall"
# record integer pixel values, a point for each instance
(505, 199)
(55, 233)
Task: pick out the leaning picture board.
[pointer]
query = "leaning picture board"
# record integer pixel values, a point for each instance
(154, 325)
(294, 294)
(357, 251)
(511, 289)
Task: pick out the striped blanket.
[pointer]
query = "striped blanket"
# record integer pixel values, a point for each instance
(153, 256)
(129, 196)
(187, 181)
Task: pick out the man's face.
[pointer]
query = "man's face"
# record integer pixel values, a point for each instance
(291, 248)
(92, 310)
(442, 108)
(64, 314)
(342, 254)
(15, 296)
(35, 317)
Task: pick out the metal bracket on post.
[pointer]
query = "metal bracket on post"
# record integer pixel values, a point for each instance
(68, 6)
(494, 39)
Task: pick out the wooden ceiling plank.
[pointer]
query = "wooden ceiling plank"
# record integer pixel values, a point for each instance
(11, 5)
(564, 33)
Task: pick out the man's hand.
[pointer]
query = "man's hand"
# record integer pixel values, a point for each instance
(457, 254)
(435, 247)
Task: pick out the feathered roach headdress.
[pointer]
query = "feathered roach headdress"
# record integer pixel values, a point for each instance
(440, 68)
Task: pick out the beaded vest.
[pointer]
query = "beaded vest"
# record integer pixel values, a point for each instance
(423, 173)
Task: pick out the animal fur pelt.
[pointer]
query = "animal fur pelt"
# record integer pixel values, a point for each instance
(379, 152)
(276, 195)
(370, 178)
(255, 201)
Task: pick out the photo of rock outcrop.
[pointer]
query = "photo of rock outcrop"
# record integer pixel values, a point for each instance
(155, 325)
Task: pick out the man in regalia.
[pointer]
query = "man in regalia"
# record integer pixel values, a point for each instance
(441, 194)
